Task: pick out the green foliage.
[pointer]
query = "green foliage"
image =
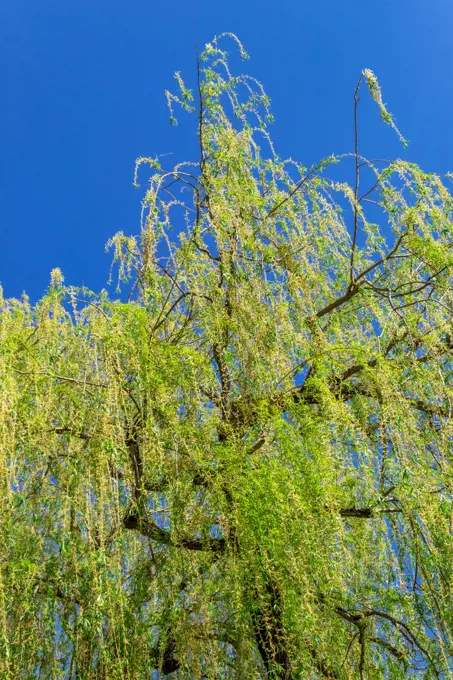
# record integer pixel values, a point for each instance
(244, 471)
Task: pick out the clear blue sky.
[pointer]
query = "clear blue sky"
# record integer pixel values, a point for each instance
(82, 95)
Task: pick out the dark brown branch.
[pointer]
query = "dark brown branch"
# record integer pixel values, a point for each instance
(223, 375)
(270, 636)
(389, 293)
(430, 409)
(298, 186)
(397, 653)
(406, 633)
(363, 513)
(70, 431)
(366, 513)
(350, 293)
(147, 527)
(357, 621)
(161, 318)
(370, 191)
(204, 250)
(135, 460)
(167, 661)
(257, 445)
(388, 257)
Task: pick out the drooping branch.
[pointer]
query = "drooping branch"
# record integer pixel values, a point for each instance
(357, 617)
(357, 179)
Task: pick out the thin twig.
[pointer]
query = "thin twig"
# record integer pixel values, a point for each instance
(357, 179)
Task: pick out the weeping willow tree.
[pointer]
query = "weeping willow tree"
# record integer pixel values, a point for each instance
(244, 470)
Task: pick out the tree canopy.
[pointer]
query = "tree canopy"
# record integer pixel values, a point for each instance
(241, 466)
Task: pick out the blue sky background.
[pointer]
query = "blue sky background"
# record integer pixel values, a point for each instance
(82, 95)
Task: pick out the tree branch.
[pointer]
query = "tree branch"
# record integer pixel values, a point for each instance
(357, 177)
(147, 527)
